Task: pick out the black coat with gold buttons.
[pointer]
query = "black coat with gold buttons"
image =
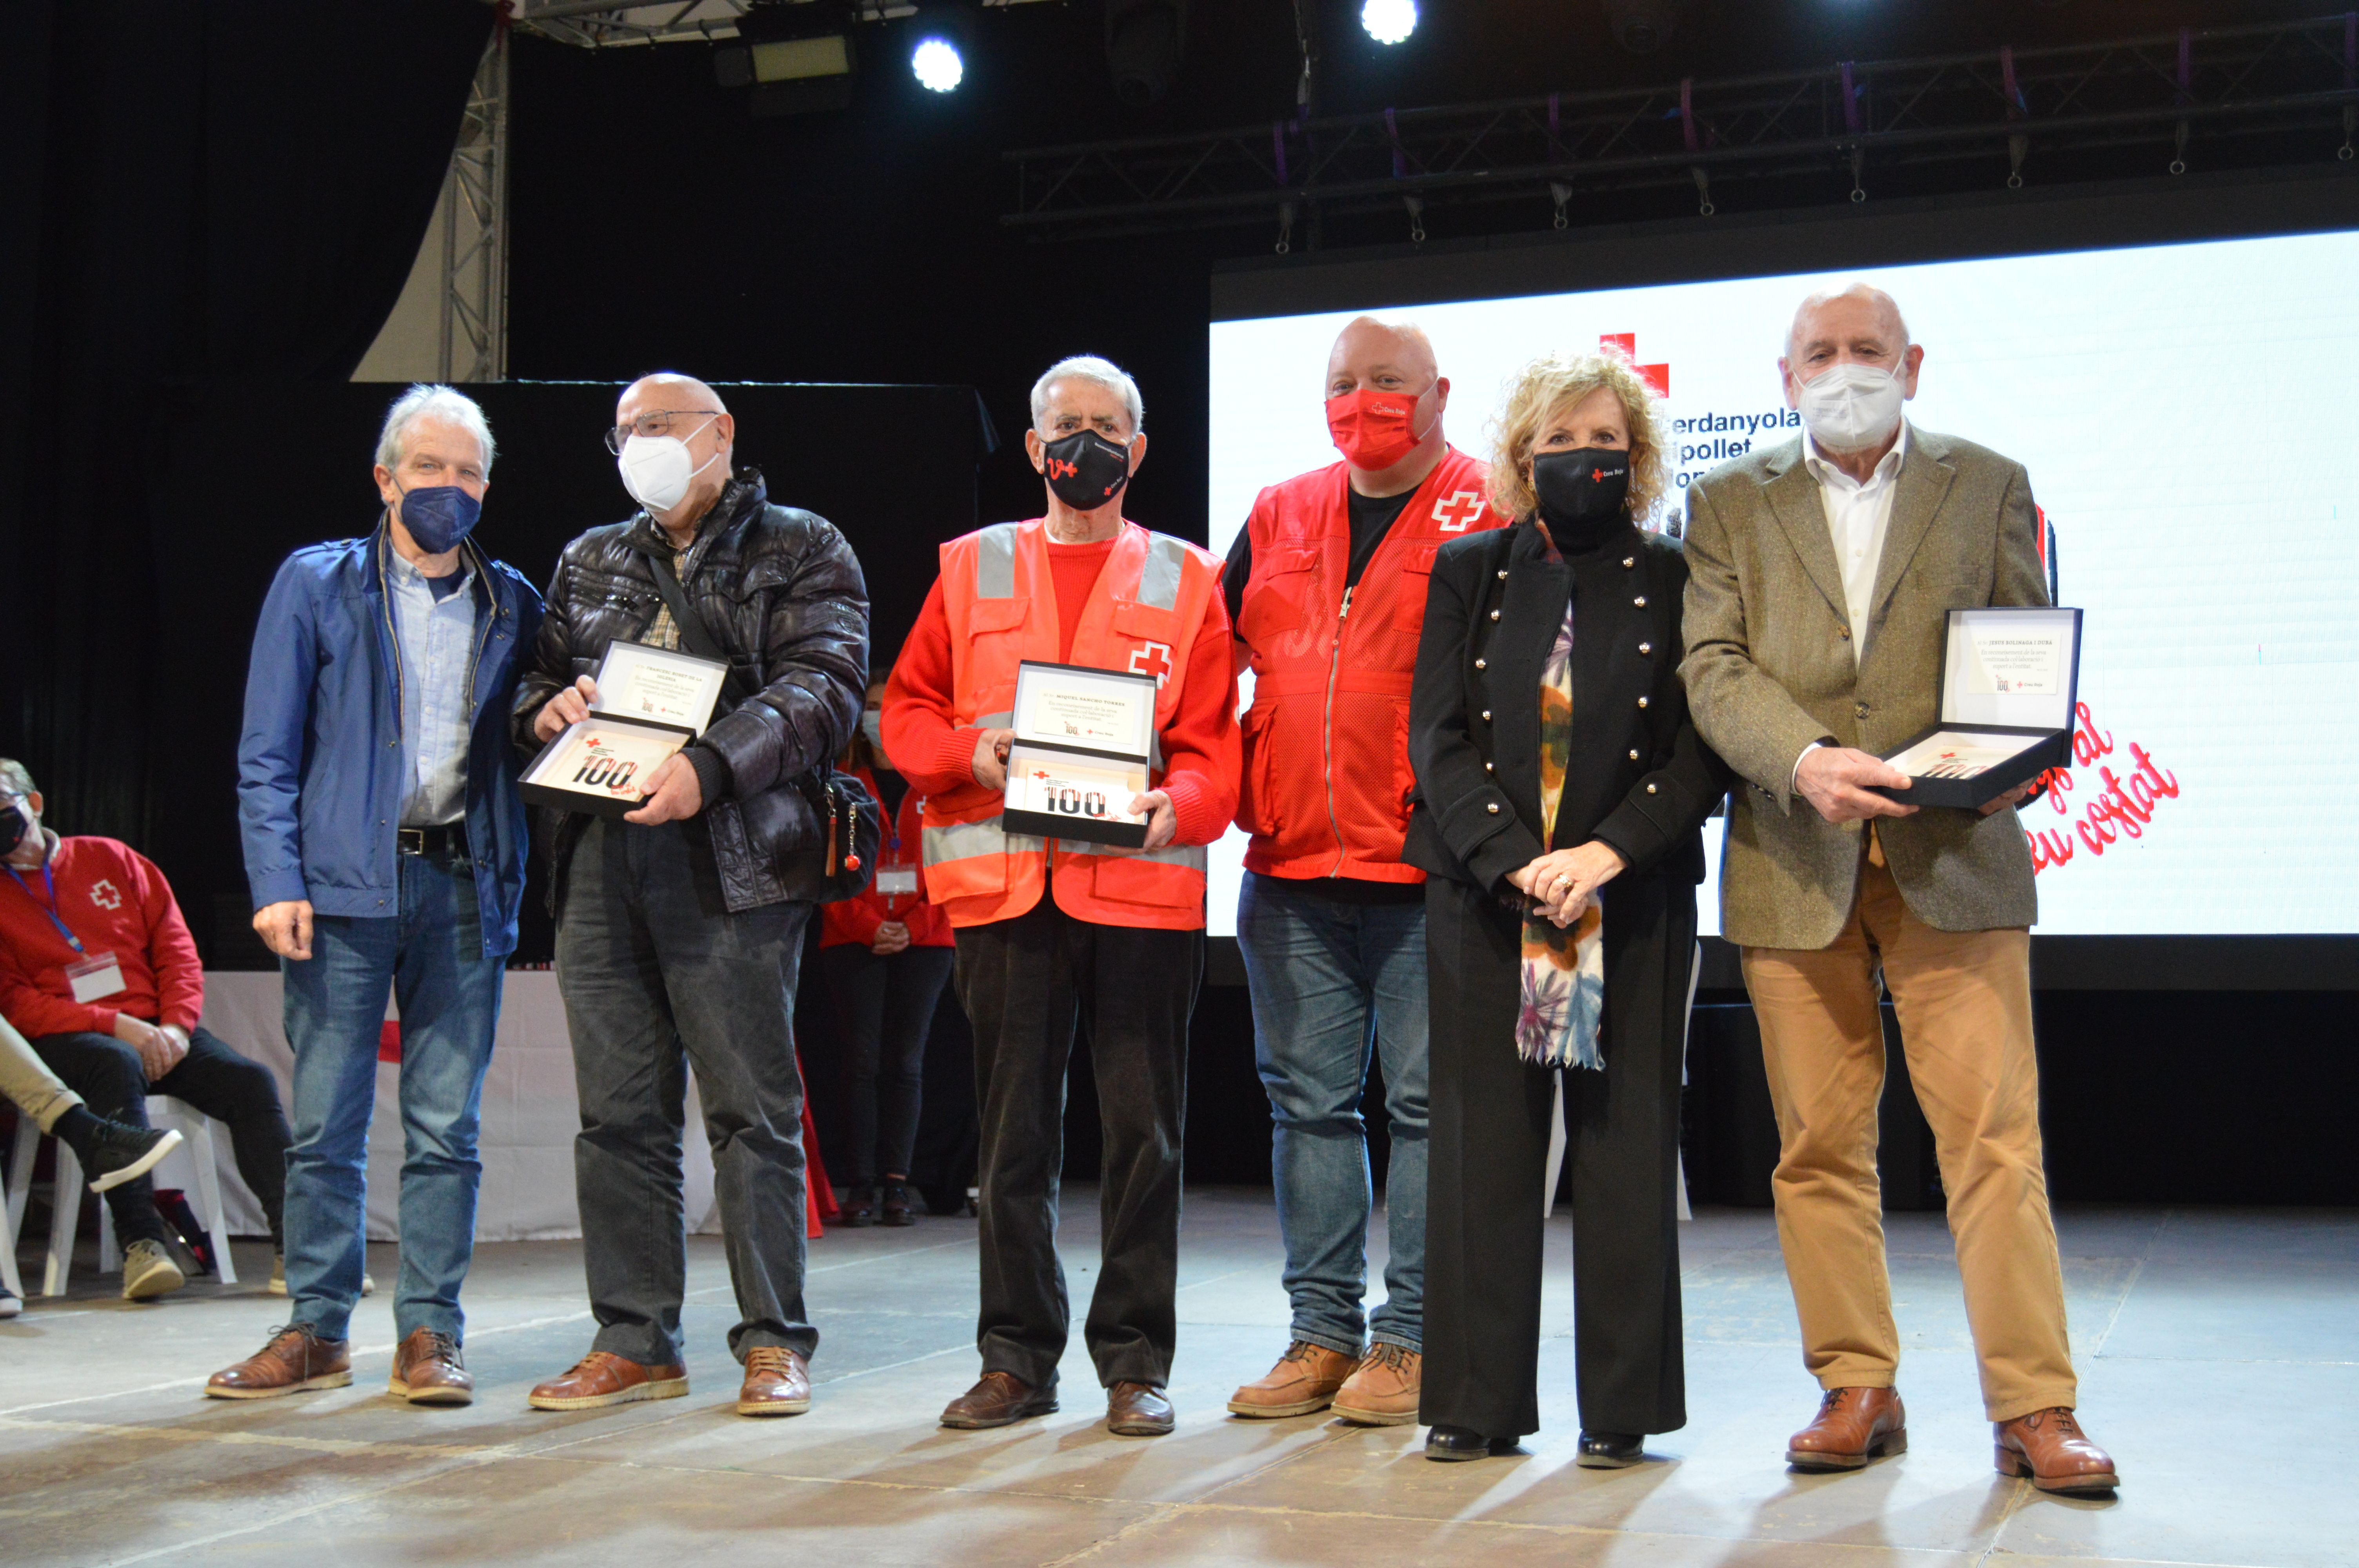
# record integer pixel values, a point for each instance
(1639, 776)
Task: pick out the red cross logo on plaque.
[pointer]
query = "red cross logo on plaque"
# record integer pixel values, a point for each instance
(1152, 659)
(1460, 511)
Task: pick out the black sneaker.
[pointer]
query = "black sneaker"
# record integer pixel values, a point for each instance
(121, 1153)
(899, 1207)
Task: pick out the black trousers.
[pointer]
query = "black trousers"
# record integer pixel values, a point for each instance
(1490, 1137)
(886, 1008)
(212, 1079)
(1025, 983)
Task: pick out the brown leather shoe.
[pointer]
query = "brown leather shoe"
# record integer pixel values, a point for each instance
(1139, 1410)
(1304, 1379)
(1383, 1393)
(778, 1382)
(427, 1371)
(1001, 1399)
(602, 1377)
(295, 1362)
(2049, 1446)
(1853, 1426)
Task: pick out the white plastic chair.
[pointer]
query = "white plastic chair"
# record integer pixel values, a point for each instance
(196, 1131)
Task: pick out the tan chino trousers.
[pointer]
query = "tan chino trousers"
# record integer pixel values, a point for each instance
(1964, 1003)
(27, 1083)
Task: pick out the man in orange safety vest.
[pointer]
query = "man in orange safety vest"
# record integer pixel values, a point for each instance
(1048, 929)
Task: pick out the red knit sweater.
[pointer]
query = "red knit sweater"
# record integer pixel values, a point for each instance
(1202, 752)
(115, 901)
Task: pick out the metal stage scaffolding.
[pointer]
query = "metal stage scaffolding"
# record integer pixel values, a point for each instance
(2192, 91)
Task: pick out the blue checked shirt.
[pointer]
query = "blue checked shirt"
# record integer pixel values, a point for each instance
(436, 637)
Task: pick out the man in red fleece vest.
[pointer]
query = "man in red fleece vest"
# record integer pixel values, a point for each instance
(97, 971)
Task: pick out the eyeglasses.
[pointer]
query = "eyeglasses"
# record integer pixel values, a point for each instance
(657, 421)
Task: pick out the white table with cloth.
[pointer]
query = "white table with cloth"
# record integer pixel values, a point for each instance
(530, 1115)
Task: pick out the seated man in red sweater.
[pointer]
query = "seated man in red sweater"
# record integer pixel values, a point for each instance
(97, 971)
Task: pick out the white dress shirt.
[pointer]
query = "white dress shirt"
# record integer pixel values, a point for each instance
(1858, 516)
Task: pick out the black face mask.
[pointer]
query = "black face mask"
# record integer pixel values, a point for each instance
(1085, 469)
(1585, 495)
(13, 827)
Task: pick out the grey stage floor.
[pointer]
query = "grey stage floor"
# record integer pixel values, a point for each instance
(2219, 1354)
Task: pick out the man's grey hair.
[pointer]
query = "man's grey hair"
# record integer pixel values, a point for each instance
(424, 401)
(15, 779)
(1089, 367)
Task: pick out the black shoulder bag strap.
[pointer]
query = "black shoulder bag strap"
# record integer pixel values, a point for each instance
(852, 831)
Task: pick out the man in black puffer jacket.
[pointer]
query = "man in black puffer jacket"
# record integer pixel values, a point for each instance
(679, 927)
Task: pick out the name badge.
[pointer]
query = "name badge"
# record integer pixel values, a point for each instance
(96, 978)
(893, 879)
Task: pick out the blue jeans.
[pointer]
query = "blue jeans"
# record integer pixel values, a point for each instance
(1331, 982)
(431, 956)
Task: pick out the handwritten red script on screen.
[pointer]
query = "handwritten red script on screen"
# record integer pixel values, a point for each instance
(2128, 792)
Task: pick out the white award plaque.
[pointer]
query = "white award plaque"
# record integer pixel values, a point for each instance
(2010, 674)
(601, 766)
(659, 685)
(1093, 710)
(1060, 794)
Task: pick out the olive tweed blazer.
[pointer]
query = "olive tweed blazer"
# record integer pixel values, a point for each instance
(1769, 670)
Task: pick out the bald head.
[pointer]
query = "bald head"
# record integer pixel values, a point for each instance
(1377, 354)
(1855, 314)
(669, 389)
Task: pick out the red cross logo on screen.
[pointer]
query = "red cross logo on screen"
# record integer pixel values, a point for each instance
(1460, 511)
(1626, 345)
(1152, 659)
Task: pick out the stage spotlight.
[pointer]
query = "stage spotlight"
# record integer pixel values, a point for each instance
(1642, 26)
(1144, 41)
(937, 63)
(1389, 21)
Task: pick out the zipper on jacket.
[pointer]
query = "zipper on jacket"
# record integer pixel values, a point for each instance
(1327, 732)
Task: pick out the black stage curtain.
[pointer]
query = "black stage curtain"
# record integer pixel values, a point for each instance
(196, 188)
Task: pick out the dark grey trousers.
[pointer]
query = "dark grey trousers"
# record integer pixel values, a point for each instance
(659, 977)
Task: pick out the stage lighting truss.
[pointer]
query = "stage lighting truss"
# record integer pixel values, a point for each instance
(603, 24)
(2192, 90)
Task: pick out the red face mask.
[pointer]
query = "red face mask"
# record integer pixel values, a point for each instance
(1371, 430)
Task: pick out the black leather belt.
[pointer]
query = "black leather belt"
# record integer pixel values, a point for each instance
(450, 841)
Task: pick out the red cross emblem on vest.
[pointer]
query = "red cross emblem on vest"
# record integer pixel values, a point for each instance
(1460, 511)
(1152, 659)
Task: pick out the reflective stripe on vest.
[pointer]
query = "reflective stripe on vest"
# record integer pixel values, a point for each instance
(963, 840)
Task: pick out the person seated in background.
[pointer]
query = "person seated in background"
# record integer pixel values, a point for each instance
(887, 953)
(112, 1153)
(98, 970)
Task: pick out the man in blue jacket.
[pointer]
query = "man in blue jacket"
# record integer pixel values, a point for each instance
(386, 845)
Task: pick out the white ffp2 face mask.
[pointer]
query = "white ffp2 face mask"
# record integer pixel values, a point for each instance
(657, 472)
(872, 725)
(1847, 406)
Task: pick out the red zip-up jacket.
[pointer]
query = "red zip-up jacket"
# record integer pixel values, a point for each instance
(114, 901)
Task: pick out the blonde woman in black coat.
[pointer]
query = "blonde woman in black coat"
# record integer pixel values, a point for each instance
(1562, 794)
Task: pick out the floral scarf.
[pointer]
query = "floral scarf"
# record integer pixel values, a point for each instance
(1564, 968)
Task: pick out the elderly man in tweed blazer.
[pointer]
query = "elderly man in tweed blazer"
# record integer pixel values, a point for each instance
(1821, 572)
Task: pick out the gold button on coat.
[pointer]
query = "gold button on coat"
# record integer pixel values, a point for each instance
(1642, 702)
(1640, 601)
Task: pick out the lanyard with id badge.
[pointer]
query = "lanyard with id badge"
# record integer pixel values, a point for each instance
(93, 976)
(896, 877)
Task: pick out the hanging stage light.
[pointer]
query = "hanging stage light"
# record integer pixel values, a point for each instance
(1389, 21)
(937, 64)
